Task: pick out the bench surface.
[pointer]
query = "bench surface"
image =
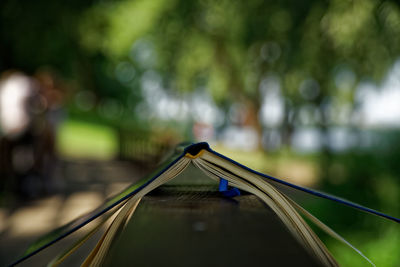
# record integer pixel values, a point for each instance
(194, 225)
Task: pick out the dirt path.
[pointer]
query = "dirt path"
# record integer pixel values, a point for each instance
(84, 186)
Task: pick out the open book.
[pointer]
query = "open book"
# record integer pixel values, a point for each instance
(232, 178)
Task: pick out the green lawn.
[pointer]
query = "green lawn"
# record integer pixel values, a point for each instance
(77, 139)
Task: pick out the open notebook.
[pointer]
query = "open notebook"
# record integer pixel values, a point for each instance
(232, 178)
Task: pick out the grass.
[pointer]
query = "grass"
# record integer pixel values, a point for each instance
(77, 139)
(284, 165)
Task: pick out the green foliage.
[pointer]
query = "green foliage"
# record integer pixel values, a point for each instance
(380, 247)
(224, 46)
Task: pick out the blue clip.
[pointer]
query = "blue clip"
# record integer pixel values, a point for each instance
(223, 188)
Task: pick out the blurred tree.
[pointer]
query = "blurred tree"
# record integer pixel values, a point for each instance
(317, 49)
(229, 48)
(45, 34)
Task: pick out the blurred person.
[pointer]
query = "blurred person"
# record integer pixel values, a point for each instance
(27, 133)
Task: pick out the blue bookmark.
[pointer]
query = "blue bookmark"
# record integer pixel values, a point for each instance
(223, 188)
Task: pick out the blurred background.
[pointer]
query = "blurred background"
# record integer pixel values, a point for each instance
(94, 93)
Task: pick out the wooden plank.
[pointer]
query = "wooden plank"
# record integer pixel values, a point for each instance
(193, 225)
